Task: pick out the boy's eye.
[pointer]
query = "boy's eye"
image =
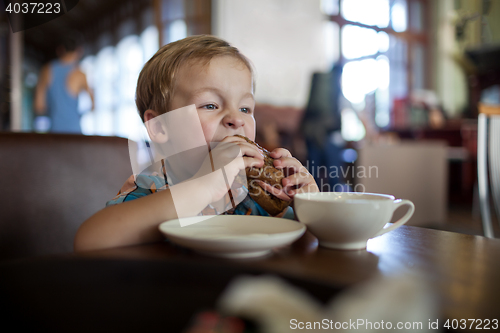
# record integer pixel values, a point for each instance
(210, 107)
(245, 110)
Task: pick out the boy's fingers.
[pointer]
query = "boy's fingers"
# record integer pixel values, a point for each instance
(250, 150)
(279, 193)
(298, 179)
(246, 147)
(251, 162)
(280, 152)
(304, 189)
(246, 158)
(288, 163)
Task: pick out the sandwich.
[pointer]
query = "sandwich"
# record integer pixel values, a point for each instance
(270, 175)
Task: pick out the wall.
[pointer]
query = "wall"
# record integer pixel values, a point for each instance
(481, 30)
(450, 81)
(283, 39)
(493, 19)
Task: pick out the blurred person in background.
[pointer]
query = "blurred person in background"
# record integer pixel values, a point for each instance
(59, 84)
(321, 127)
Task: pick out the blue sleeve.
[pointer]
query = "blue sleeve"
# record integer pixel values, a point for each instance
(143, 186)
(289, 214)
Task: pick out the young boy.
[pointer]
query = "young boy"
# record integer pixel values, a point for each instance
(218, 80)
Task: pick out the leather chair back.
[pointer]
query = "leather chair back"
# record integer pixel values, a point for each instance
(50, 184)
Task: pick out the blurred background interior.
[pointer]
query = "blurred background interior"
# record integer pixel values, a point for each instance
(411, 74)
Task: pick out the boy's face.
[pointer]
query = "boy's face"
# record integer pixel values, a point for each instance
(223, 94)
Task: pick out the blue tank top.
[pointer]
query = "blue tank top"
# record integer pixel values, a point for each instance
(62, 107)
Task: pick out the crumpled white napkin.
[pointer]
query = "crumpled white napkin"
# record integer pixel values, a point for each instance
(370, 307)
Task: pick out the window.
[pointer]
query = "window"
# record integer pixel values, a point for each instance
(176, 30)
(112, 74)
(383, 51)
(105, 74)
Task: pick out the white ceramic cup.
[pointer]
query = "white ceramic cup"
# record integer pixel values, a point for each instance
(346, 220)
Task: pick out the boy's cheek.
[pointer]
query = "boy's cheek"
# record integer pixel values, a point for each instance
(207, 132)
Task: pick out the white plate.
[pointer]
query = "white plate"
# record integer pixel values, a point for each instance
(233, 236)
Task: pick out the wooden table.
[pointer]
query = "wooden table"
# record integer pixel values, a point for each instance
(463, 269)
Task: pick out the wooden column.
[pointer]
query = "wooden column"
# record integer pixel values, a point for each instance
(158, 20)
(16, 59)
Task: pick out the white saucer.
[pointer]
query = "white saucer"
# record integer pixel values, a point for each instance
(233, 236)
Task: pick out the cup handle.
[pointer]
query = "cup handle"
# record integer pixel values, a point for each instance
(401, 221)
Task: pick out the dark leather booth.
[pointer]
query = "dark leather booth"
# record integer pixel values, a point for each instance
(50, 184)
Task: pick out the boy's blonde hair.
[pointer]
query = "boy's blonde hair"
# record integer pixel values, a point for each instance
(157, 79)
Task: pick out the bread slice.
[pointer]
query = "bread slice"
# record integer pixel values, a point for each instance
(268, 174)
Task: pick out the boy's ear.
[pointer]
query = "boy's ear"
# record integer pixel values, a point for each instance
(156, 130)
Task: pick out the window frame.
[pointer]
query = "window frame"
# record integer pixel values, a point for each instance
(411, 37)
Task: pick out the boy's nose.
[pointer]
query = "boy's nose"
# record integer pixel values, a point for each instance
(234, 119)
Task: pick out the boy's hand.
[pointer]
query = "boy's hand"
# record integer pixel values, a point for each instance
(252, 156)
(297, 178)
(278, 193)
(233, 154)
